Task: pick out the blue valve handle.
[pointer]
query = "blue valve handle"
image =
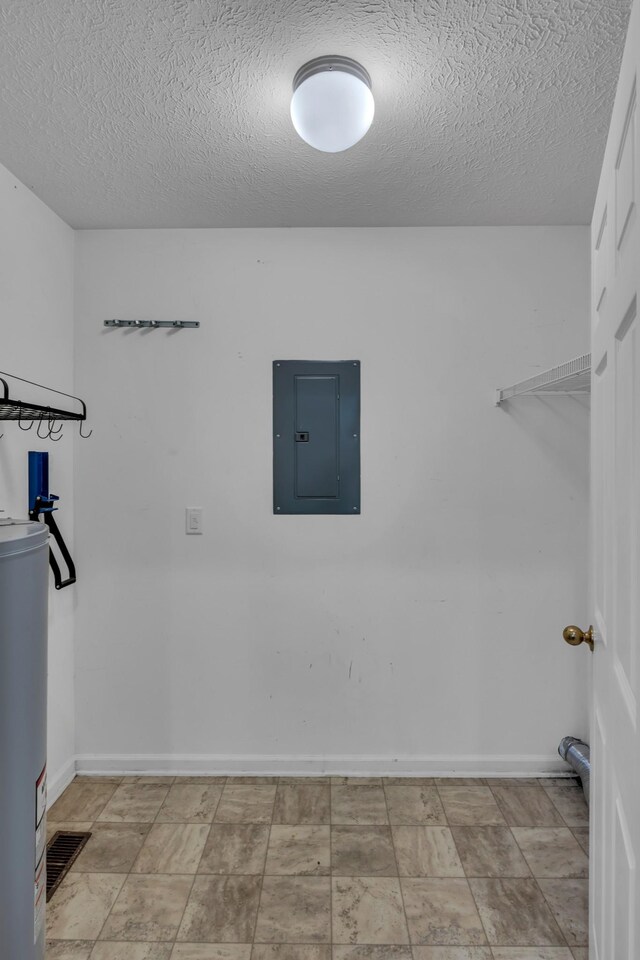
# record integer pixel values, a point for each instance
(39, 483)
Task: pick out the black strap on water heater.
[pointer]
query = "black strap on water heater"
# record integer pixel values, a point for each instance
(42, 512)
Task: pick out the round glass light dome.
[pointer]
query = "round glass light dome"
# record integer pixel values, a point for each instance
(332, 105)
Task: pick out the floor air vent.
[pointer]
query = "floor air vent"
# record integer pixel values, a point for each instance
(62, 850)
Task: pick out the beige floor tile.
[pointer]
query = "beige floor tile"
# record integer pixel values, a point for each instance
(235, 848)
(211, 951)
(134, 803)
(552, 852)
(172, 848)
(582, 836)
(470, 806)
(294, 910)
(291, 951)
(190, 803)
(356, 781)
(570, 804)
(489, 852)
(246, 803)
(514, 913)
(452, 953)
(358, 805)
(72, 826)
(81, 905)
(441, 912)
(569, 902)
(527, 807)
(131, 951)
(414, 805)
(68, 949)
(221, 910)
(302, 803)
(149, 908)
(81, 801)
(368, 910)
(112, 848)
(301, 850)
(362, 852)
(366, 951)
(426, 852)
(532, 953)
(145, 915)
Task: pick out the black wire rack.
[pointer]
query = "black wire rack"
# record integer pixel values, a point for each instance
(11, 409)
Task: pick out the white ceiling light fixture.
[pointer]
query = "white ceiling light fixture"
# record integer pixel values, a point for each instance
(332, 105)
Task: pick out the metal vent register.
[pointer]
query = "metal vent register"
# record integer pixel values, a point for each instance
(62, 851)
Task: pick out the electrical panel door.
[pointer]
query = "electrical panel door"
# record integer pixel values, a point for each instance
(316, 436)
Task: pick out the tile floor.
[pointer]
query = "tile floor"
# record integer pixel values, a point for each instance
(229, 868)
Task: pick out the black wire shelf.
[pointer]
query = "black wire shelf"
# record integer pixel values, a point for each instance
(11, 409)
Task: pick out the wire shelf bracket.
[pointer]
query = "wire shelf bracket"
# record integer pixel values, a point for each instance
(572, 378)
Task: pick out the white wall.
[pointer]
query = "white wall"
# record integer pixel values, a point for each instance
(36, 342)
(425, 631)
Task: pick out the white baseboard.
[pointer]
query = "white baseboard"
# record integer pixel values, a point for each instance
(58, 783)
(300, 766)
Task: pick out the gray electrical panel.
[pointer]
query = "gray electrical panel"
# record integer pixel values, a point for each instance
(316, 436)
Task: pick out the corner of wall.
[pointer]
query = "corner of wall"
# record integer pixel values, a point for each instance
(37, 255)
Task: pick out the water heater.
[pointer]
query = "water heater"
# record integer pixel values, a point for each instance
(24, 567)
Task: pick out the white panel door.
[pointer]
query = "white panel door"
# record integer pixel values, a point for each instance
(615, 527)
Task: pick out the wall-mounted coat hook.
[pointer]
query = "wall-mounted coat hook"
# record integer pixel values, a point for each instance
(154, 324)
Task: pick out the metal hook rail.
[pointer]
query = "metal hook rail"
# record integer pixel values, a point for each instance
(153, 324)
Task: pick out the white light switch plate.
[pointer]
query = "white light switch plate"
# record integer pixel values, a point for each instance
(194, 520)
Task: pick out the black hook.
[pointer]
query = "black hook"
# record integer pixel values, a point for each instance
(20, 421)
(58, 432)
(85, 436)
(38, 430)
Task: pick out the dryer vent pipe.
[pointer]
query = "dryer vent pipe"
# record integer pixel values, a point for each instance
(577, 754)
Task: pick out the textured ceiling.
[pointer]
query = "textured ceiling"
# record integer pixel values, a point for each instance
(165, 113)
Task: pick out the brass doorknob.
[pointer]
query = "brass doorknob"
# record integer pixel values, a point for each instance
(575, 636)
